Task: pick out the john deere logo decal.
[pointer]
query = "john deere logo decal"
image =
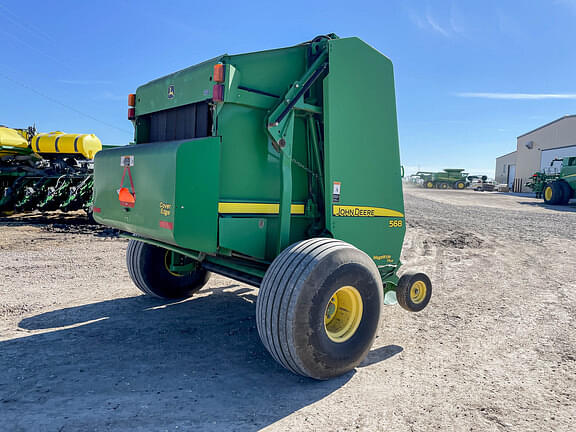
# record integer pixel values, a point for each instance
(171, 92)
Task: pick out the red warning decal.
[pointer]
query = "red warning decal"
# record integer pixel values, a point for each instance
(127, 197)
(167, 225)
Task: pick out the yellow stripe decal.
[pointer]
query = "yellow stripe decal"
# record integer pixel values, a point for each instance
(359, 211)
(571, 175)
(256, 208)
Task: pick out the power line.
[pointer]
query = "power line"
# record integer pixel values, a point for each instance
(50, 98)
(23, 42)
(30, 29)
(33, 30)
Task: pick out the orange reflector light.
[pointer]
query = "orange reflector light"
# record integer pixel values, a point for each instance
(218, 93)
(131, 113)
(126, 198)
(219, 73)
(131, 99)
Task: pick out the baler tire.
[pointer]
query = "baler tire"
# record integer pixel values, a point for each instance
(148, 271)
(414, 291)
(443, 186)
(567, 192)
(553, 193)
(296, 296)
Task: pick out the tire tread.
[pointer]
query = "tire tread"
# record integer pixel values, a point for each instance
(275, 307)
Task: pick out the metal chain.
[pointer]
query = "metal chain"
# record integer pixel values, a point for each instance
(298, 163)
(305, 168)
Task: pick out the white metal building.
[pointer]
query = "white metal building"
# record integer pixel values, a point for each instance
(534, 152)
(506, 169)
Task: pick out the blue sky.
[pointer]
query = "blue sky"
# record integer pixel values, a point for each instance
(470, 76)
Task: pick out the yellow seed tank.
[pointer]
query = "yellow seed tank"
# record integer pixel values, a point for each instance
(62, 143)
(12, 138)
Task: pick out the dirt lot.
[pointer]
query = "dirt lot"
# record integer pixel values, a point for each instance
(81, 349)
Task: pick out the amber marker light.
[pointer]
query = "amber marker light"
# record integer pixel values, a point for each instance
(219, 73)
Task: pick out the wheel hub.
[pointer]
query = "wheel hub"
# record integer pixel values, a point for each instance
(343, 314)
(167, 262)
(548, 193)
(418, 292)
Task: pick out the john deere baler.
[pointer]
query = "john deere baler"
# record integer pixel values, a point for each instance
(279, 169)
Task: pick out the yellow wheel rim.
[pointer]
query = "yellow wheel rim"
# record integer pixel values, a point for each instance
(460, 185)
(429, 185)
(343, 314)
(167, 265)
(548, 193)
(418, 292)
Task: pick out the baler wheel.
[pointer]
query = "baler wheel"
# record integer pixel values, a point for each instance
(429, 185)
(443, 186)
(318, 309)
(553, 193)
(414, 291)
(149, 272)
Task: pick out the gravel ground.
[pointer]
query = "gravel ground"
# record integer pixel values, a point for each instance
(81, 349)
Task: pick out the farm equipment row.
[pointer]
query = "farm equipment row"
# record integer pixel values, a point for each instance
(450, 178)
(46, 171)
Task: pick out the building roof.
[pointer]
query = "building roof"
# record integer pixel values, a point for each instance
(548, 124)
(507, 154)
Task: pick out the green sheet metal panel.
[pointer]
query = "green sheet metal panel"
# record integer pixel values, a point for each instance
(250, 164)
(270, 71)
(190, 85)
(244, 235)
(568, 172)
(197, 193)
(362, 159)
(176, 186)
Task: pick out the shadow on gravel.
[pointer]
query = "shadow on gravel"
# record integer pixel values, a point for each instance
(60, 222)
(380, 354)
(143, 364)
(43, 218)
(571, 208)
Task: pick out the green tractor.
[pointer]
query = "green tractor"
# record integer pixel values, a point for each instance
(279, 169)
(539, 180)
(560, 190)
(449, 178)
